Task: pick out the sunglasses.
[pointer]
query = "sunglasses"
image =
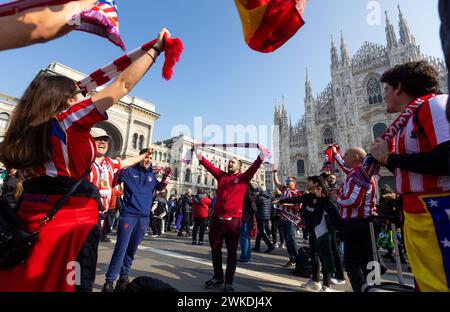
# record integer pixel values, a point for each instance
(79, 91)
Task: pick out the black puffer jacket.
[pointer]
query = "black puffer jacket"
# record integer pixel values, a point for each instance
(264, 205)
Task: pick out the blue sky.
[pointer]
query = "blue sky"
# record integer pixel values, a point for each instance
(219, 78)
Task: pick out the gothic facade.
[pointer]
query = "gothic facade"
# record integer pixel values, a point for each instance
(350, 111)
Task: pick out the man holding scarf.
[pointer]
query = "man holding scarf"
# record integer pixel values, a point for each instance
(225, 223)
(420, 162)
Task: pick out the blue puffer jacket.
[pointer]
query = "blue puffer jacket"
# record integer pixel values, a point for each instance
(263, 205)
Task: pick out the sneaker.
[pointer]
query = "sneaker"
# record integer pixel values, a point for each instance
(213, 282)
(194, 243)
(276, 245)
(283, 246)
(269, 250)
(154, 236)
(180, 234)
(290, 264)
(243, 261)
(122, 284)
(228, 288)
(108, 287)
(326, 289)
(311, 285)
(200, 243)
(336, 281)
(256, 249)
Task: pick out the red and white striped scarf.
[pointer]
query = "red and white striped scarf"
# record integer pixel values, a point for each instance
(370, 166)
(173, 50)
(188, 157)
(101, 20)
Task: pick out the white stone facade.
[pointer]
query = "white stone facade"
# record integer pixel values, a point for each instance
(351, 110)
(131, 121)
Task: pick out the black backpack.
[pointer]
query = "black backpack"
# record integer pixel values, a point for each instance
(303, 263)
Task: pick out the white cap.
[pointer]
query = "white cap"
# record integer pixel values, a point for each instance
(99, 133)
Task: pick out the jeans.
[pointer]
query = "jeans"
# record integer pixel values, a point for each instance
(228, 231)
(246, 251)
(289, 235)
(357, 251)
(199, 223)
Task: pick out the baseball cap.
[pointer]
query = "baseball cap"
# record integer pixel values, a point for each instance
(99, 133)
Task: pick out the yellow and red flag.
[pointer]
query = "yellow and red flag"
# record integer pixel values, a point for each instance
(268, 24)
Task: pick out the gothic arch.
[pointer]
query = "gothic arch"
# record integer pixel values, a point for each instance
(372, 87)
(328, 135)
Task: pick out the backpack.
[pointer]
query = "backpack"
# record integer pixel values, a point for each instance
(303, 263)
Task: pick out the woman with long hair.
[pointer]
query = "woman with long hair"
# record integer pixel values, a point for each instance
(48, 140)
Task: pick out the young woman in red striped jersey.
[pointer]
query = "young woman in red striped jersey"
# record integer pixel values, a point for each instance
(49, 139)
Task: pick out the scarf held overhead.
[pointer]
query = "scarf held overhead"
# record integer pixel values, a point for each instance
(268, 24)
(172, 52)
(102, 19)
(188, 157)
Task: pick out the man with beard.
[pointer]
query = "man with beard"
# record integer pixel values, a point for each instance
(102, 174)
(139, 184)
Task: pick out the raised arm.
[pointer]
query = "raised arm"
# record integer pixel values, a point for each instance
(131, 161)
(250, 172)
(275, 179)
(40, 24)
(128, 79)
(216, 172)
(340, 161)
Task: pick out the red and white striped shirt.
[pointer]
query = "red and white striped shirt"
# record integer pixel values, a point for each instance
(73, 147)
(102, 176)
(433, 130)
(355, 202)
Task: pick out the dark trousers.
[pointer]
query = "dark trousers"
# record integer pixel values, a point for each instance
(276, 229)
(130, 232)
(337, 258)
(156, 225)
(186, 223)
(263, 230)
(357, 251)
(220, 230)
(289, 235)
(316, 261)
(170, 220)
(199, 224)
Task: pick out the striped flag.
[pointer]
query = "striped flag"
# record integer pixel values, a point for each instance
(268, 24)
(101, 20)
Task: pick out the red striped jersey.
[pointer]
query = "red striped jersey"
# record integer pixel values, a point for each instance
(355, 202)
(73, 146)
(102, 176)
(432, 130)
(287, 192)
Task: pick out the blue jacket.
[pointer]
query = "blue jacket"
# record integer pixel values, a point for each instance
(139, 184)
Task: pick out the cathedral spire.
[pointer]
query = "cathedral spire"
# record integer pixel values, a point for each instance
(391, 39)
(308, 88)
(344, 51)
(405, 34)
(334, 54)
